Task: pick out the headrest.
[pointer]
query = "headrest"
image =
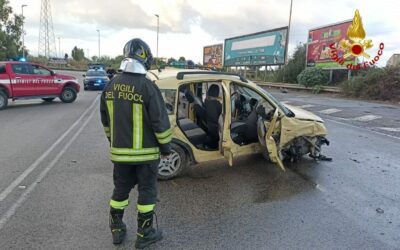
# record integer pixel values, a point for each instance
(213, 91)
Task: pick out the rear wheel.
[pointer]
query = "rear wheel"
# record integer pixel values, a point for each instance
(50, 99)
(3, 100)
(174, 164)
(68, 95)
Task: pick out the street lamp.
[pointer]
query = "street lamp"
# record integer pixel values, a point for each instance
(59, 47)
(158, 27)
(23, 31)
(99, 44)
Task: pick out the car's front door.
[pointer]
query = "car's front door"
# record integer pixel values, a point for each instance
(243, 103)
(45, 84)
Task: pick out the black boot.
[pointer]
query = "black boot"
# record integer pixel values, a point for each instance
(146, 234)
(117, 226)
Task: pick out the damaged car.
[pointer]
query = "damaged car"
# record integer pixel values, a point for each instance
(246, 120)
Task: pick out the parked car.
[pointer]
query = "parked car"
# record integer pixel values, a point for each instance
(252, 121)
(23, 80)
(95, 79)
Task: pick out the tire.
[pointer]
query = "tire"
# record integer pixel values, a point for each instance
(174, 164)
(3, 100)
(68, 95)
(49, 99)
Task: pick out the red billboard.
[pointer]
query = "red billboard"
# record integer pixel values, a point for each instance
(319, 40)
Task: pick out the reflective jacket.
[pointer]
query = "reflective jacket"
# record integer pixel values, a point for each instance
(135, 119)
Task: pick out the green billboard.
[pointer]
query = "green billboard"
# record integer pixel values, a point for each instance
(262, 48)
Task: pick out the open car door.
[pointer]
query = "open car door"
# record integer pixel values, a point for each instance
(265, 129)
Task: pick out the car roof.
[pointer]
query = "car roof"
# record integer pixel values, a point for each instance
(168, 79)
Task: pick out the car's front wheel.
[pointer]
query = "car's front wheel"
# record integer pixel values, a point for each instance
(174, 164)
(68, 95)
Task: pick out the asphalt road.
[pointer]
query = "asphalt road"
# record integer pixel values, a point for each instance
(56, 181)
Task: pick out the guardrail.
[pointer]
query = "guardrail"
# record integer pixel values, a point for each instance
(328, 89)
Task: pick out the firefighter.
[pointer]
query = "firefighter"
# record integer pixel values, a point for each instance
(136, 124)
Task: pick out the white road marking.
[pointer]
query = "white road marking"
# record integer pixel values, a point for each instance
(366, 118)
(329, 111)
(366, 129)
(389, 129)
(306, 106)
(35, 164)
(11, 211)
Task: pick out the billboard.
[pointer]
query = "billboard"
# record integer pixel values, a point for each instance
(319, 40)
(212, 56)
(262, 48)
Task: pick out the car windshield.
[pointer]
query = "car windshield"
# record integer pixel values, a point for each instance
(282, 107)
(96, 73)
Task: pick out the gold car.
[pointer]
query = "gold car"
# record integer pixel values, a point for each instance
(249, 121)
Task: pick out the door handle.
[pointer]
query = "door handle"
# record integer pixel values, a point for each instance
(17, 77)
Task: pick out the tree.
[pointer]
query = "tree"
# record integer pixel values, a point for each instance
(10, 32)
(295, 66)
(78, 54)
(182, 59)
(171, 60)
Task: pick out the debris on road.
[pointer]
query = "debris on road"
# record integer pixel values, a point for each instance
(21, 187)
(380, 210)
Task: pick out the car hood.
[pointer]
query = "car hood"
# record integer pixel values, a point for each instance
(65, 77)
(96, 77)
(303, 114)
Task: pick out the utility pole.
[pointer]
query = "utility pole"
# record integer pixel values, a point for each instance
(23, 31)
(288, 32)
(158, 28)
(99, 44)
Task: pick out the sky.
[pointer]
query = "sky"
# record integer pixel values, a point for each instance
(186, 26)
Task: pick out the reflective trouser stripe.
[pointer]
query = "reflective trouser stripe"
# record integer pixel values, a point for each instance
(119, 204)
(145, 208)
(137, 126)
(107, 131)
(165, 140)
(134, 158)
(129, 151)
(110, 108)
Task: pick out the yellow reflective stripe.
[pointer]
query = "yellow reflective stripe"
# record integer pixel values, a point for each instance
(145, 208)
(164, 134)
(137, 125)
(129, 151)
(134, 158)
(110, 108)
(119, 204)
(106, 129)
(165, 140)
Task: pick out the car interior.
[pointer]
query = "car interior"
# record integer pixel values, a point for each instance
(247, 106)
(192, 113)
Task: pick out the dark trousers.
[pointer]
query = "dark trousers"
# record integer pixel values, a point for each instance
(127, 177)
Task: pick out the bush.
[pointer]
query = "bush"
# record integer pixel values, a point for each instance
(375, 84)
(313, 76)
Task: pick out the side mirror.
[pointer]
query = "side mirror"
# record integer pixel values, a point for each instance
(52, 72)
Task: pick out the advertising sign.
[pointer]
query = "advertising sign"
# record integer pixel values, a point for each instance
(212, 56)
(262, 48)
(319, 41)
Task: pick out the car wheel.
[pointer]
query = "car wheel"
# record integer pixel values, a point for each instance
(174, 164)
(3, 100)
(68, 95)
(50, 99)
